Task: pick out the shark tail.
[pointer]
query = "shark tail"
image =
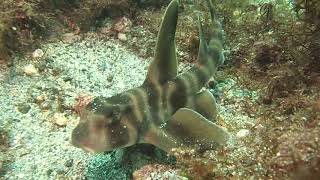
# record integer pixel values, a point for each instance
(211, 53)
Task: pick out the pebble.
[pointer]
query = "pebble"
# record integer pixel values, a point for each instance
(49, 171)
(16, 120)
(110, 77)
(69, 163)
(60, 170)
(38, 53)
(60, 119)
(23, 108)
(41, 98)
(45, 105)
(69, 38)
(122, 37)
(30, 70)
(243, 133)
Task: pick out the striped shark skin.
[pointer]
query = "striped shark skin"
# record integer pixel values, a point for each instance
(168, 110)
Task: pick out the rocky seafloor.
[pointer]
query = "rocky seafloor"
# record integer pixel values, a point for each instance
(38, 94)
(267, 90)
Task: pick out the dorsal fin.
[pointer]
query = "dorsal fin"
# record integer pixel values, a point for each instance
(202, 53)
(211, 53)
(164, 65)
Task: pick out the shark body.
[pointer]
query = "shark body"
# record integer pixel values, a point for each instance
(168, 110)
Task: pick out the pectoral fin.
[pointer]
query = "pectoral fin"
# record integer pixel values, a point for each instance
(164, 65)
(194, 129)
(187, 128)
(206, 105)
(161, 138)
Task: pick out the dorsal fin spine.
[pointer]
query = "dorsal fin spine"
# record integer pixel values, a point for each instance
(210, 54)
(164, 65)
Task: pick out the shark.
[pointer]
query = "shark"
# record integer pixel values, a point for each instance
(169, 110)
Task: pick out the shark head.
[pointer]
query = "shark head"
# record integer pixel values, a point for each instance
(103, 127)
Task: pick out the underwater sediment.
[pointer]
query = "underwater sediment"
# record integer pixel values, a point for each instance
(267, 91)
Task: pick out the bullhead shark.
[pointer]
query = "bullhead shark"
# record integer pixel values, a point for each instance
(168, 110)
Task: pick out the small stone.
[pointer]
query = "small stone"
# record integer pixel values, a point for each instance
(42, 65)
(122, 37)
(260, 127)
(110, 77)
(69, 38)
(60, 170)
(38, 53)
(69, 163)
(16, 120)
(41, 98)
(67, 78)
(243, 133)
(45, 105)
(212, 83)
(30, 70)
(49, 171)
(23, 108)
(67, 110)
(134, 40)
(60, 119)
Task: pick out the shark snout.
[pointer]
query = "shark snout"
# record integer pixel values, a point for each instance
(77, 137)
(92, 140)
(81, 140)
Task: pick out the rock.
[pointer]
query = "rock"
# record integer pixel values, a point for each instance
(49, 171)
(110, 77)
(69, 38)
(23, 108)
(30, 70)
(212, 83)
(40, 98)
(69, 163)
(60, 170)
(16, 120)
(45, 105)
(38, 53)
(59, 119)
(157, 171)
(122, 37)
(123, 25)
(243, 133)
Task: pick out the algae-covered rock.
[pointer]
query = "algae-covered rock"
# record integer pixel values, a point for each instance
(23, 108)
(23, 25)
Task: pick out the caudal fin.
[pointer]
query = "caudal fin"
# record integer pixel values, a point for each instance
(211, 54)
